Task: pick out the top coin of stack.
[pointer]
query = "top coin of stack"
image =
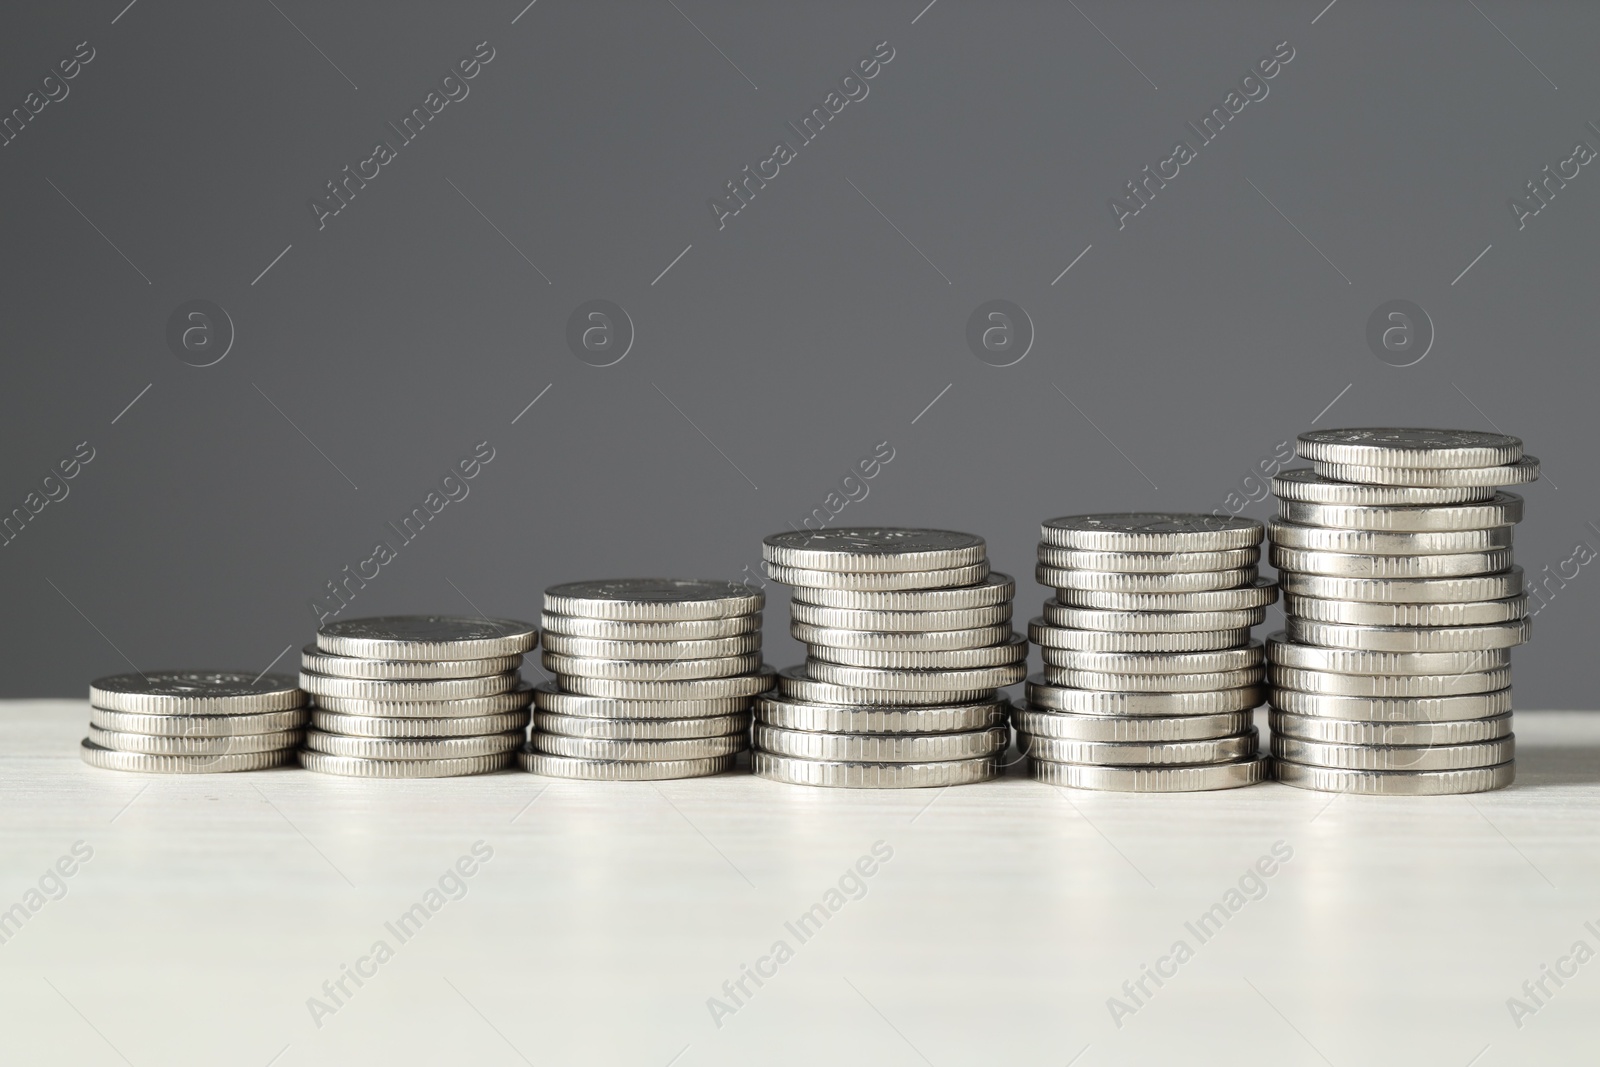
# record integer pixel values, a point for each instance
(654, 678)
(1150, 673)
(908, 637)
(1402, 604)
(416, 696)
(193, 722)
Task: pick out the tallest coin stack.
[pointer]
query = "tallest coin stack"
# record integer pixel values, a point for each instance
(1393, 675)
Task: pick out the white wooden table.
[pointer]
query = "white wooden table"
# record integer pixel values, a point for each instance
(214, 908)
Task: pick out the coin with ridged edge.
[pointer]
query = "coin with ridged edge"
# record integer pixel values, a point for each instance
(872, 548)
(1150, 622)
(1358, 732)
(1117, 582)
(818, 617)
(1153, 683)
(266, 722)
(512, 699)
(844, 775)
(892, 641)
(315, 660)
(1396, 783)
(1394, 446)
(594, 770)
(1507, 583)
(994, 589)
(1259, 594)
(1041, 694)
(879, 581)
(1159, 663)
(920, 681)
(157, 745)
(110, 759)
(322, 685)
(649, 670)
(427, 637)
(1408, 638)
(597, 648)
(1393, 709)
(1358, 613)
(796, 683)
(1395, 757)
(1305, 484)
(1380, 685)
(196, 693)
(1149, 562)
(1068, 727)
(630, 630)
(1388, 542)
(413, 748)
(1285, 653)
(742, 685)
(881, 748)
(1522, 471)
(613, 749)
(837, 719)
(1046, 636)
(1151, 532)
(356, 767)
(376, 726)
(1192, 779)
(653, 599)
(1354, 565)
(552, 698)
(1140, 753)
(641, 729)
(1014, 650)
(1505, 509)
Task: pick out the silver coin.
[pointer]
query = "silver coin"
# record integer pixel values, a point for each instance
(517, 697)
(1140, 753)
(1305, 484)
(158, 745)
(1116, 728)
(1042, 695)
(1149, 562)
(377, 726)
(1393, 709)
(641, 729)
(612, 749)
(835, 719)
(653, 599)
(899, 622)
(628, 630)
(1394, 757)
(1353, 565)
(993, 590)
(1256, 595)
(1153, 683)
(110, 759)
(1408, 638)
(1285, 653)
(1507, 583)
(593, 770)
(597, 648)
(881, 748)
(899, 641)
(843, 775)
(427, 637)
(1391, 446)
(1522, 471)
(649, 670)
(413, 748)
(1388, 542)
(322, 685)
(1358, 732)
(552, 698)
(919, 681)
(1115, 582)
(796, 683)
(879, 548)
(1158, 663)
(1357, 613)
(196, 693)
(1396, 783)
(357, 767)
(1151, 532)
(315, 660)
(1505, 509)
(1046, 636)
(742, 685)
(1368, 685)
(879, 581)
(1150, 622)
(1194, 779)
(266, 722)
(1014, 650)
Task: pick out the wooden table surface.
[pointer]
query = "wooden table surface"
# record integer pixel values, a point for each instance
(212, 919)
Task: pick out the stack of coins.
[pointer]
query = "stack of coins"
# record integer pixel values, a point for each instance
(193, 722)
(1393, 675)
(1150, 673)
(416, 696)
(908, 639)
(653, 679)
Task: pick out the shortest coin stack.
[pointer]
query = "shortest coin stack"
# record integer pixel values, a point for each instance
(653, 679)
(416, 696)
(193, 722)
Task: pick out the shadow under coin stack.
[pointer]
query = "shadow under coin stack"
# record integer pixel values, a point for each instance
(654, 678)
(1393, 676)
(416, 696)
(908, 638)
(193, 722)
(1150, 673)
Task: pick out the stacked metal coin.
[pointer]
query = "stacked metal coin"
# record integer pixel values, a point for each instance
(193, 722)
(416, 696)
(653, 679)
(1150, 672)
(909, 638)
(1393, 676)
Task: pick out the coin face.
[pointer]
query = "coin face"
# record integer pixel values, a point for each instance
(172, 692)
(424, 637)
(1388, 446)
(1152, 532)
(653, 598)
(875, 548)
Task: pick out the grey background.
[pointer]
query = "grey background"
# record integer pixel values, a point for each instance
(795, 339)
